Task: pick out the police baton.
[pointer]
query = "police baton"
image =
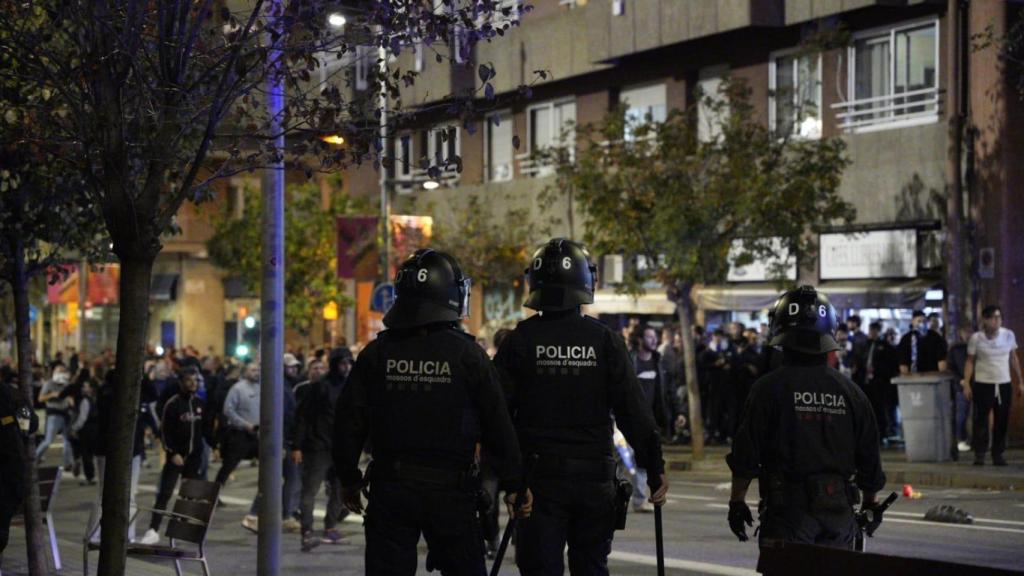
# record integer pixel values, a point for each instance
(659, 538)
(510, 527)
(866, 517)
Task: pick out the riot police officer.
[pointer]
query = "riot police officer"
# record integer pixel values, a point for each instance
(423, 393)
(807, 434)
(566, 375)
(16, 424)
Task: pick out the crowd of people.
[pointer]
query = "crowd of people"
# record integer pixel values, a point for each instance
(731, 358)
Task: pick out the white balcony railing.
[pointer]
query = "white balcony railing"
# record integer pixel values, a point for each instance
(905, 108)
(449, 177)
(532, 166)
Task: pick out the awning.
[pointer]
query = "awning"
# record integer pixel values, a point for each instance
(749, 296)
(649, 303)
(164, 287)
(907, 294)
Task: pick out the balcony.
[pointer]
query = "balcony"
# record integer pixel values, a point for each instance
(889, 111)
(531, 166)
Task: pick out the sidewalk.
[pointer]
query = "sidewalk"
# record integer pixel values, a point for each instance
(898, 471)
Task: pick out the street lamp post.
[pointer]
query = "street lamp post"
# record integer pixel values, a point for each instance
(268, 562)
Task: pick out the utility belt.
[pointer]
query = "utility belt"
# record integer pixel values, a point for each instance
(588, 470)
(821, 493)
(435, 477)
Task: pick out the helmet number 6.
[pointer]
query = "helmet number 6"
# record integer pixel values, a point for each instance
(822, 311)
(422, 275)
(567, 263)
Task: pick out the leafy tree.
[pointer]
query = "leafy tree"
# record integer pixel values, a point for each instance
(43, 222)
(491, 248)
(679, 204)
(154, 101)
(310, 243)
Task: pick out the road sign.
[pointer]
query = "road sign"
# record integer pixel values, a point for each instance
(383, 297)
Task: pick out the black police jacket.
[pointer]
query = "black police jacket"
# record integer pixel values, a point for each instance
(182, 424)
(566, 375)
(806, 418)
(424, 397)
(314, 417)
(13, 485)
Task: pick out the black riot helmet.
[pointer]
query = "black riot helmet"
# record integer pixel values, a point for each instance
(560, 276)
(803, 320)
(429, 287)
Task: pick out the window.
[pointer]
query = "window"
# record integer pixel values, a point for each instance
(894, 77)
(713, 107)
(419, 62)
(443, 145)
(795, 94)
(365, 59)
(551, 125)
(499, 147)
(646, 104)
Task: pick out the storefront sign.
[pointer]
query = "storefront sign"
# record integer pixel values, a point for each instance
(877, 254)
(781, 263)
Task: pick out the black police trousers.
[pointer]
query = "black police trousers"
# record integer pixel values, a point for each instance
(399, 511)
(796, 524)
(574, 512)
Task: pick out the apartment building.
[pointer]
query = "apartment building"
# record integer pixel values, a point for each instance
(890, 83)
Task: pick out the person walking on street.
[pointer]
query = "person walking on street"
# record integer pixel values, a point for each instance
(806, 431)
(569, 379)
(241, 440)
(182, 436)
(424, 394)
(647, 363)
(311, 447)
(991, 354)
(85, 430)
(58, 414)
(957, 359)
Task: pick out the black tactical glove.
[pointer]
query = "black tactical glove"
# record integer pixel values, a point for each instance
(870, 517)
(739, 514)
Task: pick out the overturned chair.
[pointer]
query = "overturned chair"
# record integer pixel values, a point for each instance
(188, 522)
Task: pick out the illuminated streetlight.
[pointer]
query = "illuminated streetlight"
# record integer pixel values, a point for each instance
(335, 139)
(336, 19)
(249, 322)
(431, 185)
(241, 351)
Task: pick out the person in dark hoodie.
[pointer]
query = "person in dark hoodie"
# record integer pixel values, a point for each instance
(311, 447)
(183, 441)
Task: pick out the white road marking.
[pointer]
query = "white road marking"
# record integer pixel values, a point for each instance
(985, 520)
(691, 497)
(930, 523)
(703, 567)
(964, 526)
(318, 513)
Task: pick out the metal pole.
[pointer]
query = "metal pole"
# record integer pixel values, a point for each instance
(659, 541)
(83, 295)
(385, 215)
(268, 561)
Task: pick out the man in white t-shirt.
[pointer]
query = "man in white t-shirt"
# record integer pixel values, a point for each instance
(991, 353)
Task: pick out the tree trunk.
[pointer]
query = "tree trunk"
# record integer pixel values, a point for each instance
(684, 307)
(120, 442)
(33, 513)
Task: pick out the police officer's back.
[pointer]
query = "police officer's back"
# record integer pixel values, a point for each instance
(807, 433)
(424, 393)
(566, 374)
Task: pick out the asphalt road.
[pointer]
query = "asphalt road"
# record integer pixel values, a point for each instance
(697, 538)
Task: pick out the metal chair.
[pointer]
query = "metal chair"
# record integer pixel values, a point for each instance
(188, 522)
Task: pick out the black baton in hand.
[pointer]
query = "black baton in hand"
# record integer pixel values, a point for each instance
(659, 538)
(507, 535)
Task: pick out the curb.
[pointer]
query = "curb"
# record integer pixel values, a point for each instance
(1012, 482)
